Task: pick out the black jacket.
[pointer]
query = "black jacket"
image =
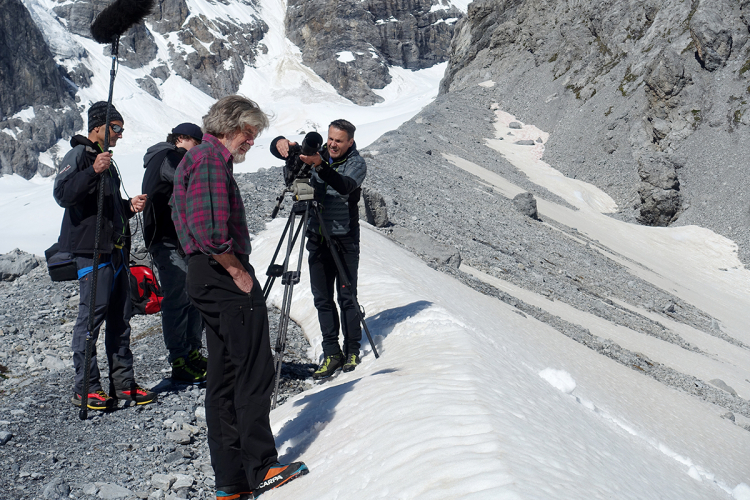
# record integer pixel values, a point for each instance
(76, 191)
(160, 162)
(338, 191)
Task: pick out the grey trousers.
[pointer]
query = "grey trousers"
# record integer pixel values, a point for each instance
(113, 306)
(181, 322)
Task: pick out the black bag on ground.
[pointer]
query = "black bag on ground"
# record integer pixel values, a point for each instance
(61, 265)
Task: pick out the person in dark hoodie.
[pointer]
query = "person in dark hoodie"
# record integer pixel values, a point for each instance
(76, 188)
(337, 178)
(182, 325)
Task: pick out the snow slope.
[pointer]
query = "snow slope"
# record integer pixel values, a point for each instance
(470, 399)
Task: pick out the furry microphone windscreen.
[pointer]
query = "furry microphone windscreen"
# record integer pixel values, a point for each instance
(118, 18)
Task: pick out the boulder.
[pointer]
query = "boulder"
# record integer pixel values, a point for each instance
(57, 489)
(711, 35)
(16, 263)
(373, 208)
(526, 204)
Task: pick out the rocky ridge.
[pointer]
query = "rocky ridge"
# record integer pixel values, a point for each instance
(655, 94)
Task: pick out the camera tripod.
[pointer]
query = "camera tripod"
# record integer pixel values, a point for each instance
(289, 278)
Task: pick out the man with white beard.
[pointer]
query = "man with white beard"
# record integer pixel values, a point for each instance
(209, 218)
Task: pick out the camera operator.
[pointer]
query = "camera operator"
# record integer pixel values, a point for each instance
(339, 171)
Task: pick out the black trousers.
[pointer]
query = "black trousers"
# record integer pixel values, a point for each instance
(323, 281)
(112, 305)
(240, 374)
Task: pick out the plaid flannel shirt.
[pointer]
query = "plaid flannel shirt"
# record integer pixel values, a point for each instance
(207, 208)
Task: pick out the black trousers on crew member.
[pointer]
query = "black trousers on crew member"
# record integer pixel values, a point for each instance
(323, 281)
(112, 305)
(240, 374)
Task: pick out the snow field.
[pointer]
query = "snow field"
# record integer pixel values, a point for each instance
(456, 406)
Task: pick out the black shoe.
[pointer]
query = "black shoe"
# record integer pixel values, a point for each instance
(329, 365)
(98, 400)
(198, 360)
(279, 475)
(137, 394)
(352, 360)
(187, 373)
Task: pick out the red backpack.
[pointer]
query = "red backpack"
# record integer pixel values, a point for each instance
(145, 292)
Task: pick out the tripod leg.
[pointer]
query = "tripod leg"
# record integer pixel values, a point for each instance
(271, 277)
(344, 277)
(289, 279)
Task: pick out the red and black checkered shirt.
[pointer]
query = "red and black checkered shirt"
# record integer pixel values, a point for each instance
(207, 207)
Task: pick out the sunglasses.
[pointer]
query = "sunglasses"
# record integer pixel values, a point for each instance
(117, 129)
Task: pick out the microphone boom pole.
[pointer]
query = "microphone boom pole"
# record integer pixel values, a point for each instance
(108, 26)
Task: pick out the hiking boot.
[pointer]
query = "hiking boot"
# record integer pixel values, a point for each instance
(329, 365)
(352, 360)
(198, 360)
(137, 394)
(279, 475)
(242, 495)
(98, 400)
(188, 373)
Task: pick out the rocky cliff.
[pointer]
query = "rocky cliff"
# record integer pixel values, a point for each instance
(648, 100)
(30, 80)
(351, 44)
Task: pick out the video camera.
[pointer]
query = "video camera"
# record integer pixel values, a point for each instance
(295, 168)
(296, 172)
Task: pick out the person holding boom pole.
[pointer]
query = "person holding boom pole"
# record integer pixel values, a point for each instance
(76, 190)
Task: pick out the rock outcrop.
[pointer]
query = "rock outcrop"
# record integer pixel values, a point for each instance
(29, 80)
(647, 100)
(351, 43)
(659, 190)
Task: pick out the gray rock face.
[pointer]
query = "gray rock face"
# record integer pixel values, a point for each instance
(137, 47)
(149, 85)
(659, 191)
(350, 43)
(613, 81)
(169, 15)
(29, 78)
(711, 35)
(18, 152)
(208, 69)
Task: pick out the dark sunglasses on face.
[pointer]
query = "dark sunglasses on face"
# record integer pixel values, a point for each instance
(117, 129)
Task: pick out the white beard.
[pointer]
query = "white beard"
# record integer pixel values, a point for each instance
(238, 157)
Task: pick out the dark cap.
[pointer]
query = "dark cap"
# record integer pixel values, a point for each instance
(98, 115)
(188, 129)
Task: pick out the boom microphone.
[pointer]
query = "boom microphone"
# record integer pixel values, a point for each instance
(117, 18)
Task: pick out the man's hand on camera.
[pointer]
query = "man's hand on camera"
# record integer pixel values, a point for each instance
(315, 160)
(282, 146)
